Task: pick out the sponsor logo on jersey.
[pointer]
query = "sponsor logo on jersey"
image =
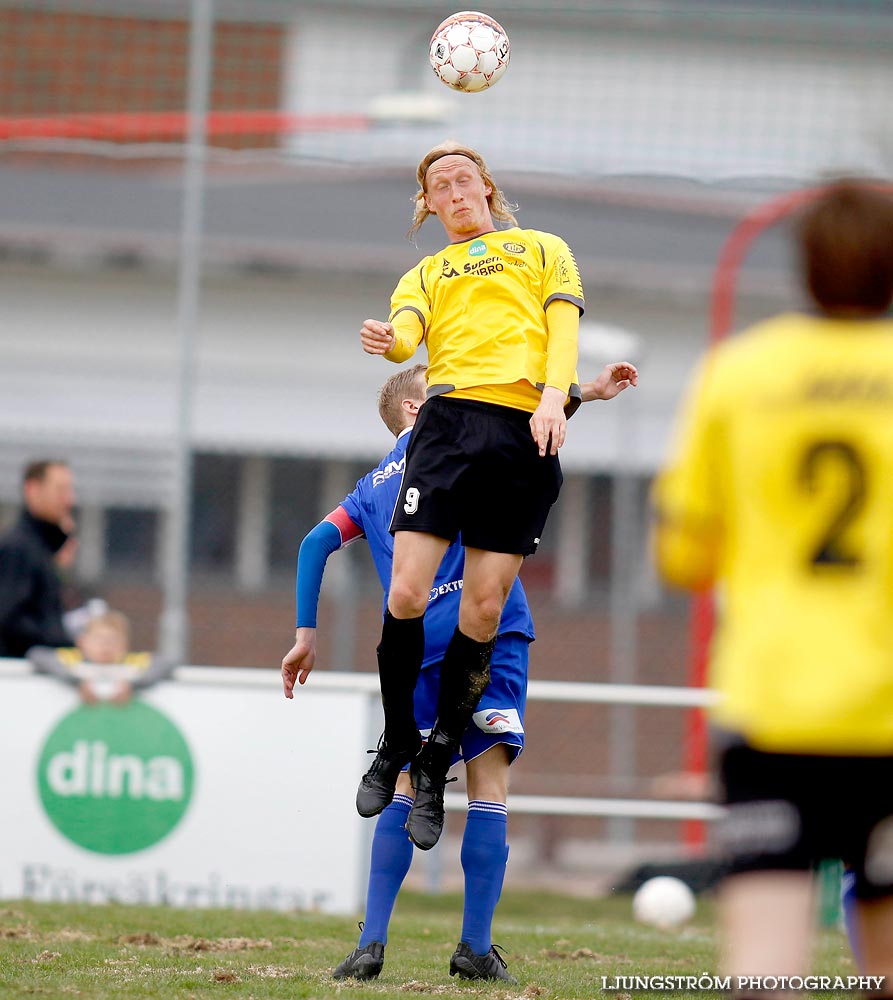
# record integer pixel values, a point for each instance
(567, 270)
(498, 720)
(487, 265)
(513, 247)
(840, 389)
(564, 275)
(381, 476)
(448, 270)
(476, 248)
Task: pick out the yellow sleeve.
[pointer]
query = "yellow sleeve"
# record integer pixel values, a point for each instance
(410, 313)
(563, 322)
(409, 331)
(687, 495)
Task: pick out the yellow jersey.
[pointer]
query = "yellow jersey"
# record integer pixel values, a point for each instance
(480, 305)
(780, 490)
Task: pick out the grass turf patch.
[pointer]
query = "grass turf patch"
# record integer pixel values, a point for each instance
(556, 947)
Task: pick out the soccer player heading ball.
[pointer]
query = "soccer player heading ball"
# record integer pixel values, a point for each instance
(499, 311)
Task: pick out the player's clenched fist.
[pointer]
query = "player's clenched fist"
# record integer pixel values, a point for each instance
(377, 337)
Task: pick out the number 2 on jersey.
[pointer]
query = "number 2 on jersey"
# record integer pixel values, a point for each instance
(821, 461)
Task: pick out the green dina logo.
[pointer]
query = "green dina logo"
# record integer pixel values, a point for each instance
(115, 779)
(476, 248)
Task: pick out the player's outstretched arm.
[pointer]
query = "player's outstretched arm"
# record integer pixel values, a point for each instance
(335, 530)
(610, 381)
(299, 660)
(396, 341)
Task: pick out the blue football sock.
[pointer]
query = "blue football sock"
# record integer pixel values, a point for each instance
(484, 854)
(849, 905)
(391, 858)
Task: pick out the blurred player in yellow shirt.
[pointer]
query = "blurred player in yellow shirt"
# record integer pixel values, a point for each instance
(498, 311)
(780, 493)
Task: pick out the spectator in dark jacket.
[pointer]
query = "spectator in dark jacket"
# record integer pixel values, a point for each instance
(30, 590)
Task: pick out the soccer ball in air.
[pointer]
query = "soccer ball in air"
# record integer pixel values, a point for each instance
(663, 902)
(469, 51)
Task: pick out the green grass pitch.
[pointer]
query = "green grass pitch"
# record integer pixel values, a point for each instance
(556, 947)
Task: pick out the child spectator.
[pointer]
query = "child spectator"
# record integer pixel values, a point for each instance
(101, 665)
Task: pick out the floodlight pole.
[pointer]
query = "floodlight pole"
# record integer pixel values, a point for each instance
(174, 624)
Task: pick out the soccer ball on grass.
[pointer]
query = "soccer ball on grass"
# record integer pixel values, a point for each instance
(663, 902)
(469, 51)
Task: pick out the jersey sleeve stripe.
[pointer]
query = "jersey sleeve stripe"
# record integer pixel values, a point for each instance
(565, 296)
(410, 309)
(347, 527)
(439, 390)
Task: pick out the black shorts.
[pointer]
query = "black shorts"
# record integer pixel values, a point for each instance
(787, 812)
(474, 467)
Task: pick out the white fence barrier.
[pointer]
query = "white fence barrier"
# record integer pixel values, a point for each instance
(213, 790)
(610, 694)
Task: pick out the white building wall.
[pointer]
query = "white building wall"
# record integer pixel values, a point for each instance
(581, 98)
(90, 361)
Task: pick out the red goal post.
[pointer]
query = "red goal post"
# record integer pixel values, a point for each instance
(721, 320)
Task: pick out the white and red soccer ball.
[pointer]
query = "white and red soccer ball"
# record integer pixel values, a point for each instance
(469, 51)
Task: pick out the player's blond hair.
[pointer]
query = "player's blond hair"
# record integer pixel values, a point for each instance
(406, 384)
(500, 207)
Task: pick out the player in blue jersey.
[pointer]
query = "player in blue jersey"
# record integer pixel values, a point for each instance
(495, 736)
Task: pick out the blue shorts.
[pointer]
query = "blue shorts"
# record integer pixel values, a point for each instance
(499, 717)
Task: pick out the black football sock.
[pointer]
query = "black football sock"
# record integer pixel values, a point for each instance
(464, 675)
(400, 655)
